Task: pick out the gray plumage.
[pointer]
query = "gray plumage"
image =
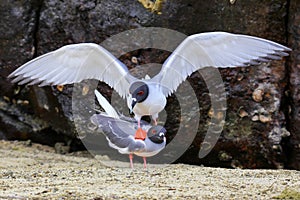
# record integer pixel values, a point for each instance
(120, 135)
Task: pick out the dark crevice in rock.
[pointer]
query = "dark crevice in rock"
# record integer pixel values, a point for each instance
(38, 5)
(287, 99)
(285, 102)
(293, 62)
(287, 22)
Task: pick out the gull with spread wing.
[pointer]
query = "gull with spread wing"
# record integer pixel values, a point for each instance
(76, 62)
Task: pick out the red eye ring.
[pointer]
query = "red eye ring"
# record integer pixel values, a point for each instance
(140, 93)
(153, 132)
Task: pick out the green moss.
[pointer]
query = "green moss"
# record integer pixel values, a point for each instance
(288, 194)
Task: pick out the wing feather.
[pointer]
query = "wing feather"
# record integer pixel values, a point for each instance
(122, 137)
(74, 63)
(119, 133)
(216, 49)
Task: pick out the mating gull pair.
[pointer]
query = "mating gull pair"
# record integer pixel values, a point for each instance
(76, 62)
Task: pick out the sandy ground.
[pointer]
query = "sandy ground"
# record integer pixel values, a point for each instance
(33, 171)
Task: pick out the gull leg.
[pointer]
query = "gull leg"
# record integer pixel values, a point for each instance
(145, 162)
(155, 121)
(154, 118)
(131, 162)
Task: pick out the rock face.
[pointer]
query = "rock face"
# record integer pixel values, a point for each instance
(261, 127)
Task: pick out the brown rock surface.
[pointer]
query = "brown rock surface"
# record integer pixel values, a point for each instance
(257, 138)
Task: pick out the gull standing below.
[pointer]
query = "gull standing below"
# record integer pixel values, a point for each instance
(120, 130)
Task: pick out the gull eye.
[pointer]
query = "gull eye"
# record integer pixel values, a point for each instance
(153, 132)
(140, 93)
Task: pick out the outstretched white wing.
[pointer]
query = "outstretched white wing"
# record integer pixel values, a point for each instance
(216, 49)
(74, 63)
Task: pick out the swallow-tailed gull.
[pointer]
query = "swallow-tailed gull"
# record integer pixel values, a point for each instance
(120, 133)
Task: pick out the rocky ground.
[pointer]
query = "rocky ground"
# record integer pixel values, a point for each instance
(34, 171)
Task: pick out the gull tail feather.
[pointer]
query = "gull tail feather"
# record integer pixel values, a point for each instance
(110, 111)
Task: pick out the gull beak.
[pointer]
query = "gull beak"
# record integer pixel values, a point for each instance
(132, 105)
